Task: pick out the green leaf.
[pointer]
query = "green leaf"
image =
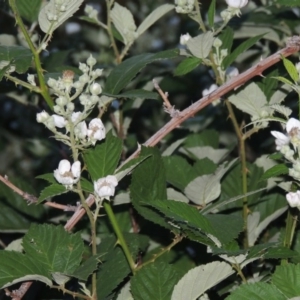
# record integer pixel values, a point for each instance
(187, 65)
(51, 191)
(112, 272)
(288, 3)
(153, 17)
(211, 14)
(284, 80)
(198, 280)
(256, 291)
(205, 138)
(53, 248)
(269, 85)
(103, 159)
(250, 100)
(201, 45)
(280, 252)
(17, 56)
(291, 69)
(121, 75)
(154, 281)
(227, 38)
(286, 278)
(16, 215)
(243, 47)
(48, 177)
(29, 9)
(17, 267)
(143, 94)
(86, 185)
(86, 268)
(149, 184)
(178, 171)
(277, 170)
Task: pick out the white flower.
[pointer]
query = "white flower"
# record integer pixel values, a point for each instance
(59, 121)
(96, 131)
(184, 38)
(42, 117)
(67, 174)
(212, 88)
(80, 130)
(293, 199)
(105, 187)
(293, 130)
(237, 3)
(75, 116)
(281, 139)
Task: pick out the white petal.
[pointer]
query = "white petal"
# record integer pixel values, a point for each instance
(292, 123)
(59, 121)
(76, 169)
(280, 136)
(112, 180)
(64, 166)
(75, 116)
(293, 199)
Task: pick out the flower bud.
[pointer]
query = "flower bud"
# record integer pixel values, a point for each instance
(59, 121)
(42, 117)
(95, 89)
(91, 61)
(184, 38)
(237, 3)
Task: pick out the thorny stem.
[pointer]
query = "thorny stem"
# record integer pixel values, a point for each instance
(23, 83)
(74, 294)
(44, 89)
(240, 272)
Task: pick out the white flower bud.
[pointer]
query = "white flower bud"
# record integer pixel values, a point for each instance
(293, 199)
(75, 116)
(84, 78)
(231, 72)
(61, 101)
(59, 121)
(97, 73)
(42, 117)
(237, 3)
(70, 107)
(95, 89)
(96, 131)
(81, 131)
(31, 80)
(184, 38)
(58, 109)
(83, 67)
(212, 88)
(67, 174)
(91, 61)
(51, 82)
(217, 43)
(84, 99)
(105, 187)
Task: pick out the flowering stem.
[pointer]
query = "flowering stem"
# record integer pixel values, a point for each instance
(119, 234)
(199, 17)
(44, 89)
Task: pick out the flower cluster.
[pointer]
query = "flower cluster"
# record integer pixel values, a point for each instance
(234, 9)
(67, 90)
(283, 144)
(184, 6)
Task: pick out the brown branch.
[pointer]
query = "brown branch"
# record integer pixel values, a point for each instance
(292, 47)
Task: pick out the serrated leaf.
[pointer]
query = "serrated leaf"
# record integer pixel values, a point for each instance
(176, 196)
(86, 268)
(286, 278)
(51, 191)
(250, 100)
(149, 184)
(29, 9)
(205, 138)
(50, 9)
(187, 65)
(256, 291)
(153, 17)
(103, 159)
(124, 23)
(288, 3)
(53, 248)
(215, 155)
(280, 169)
(211, 14)
(201, 45)
(86, 185)
(121, 75)
(143, 94)
(228, 60)
(207, 188)
(17, 56)
(48, 177)
(291, 69)
(154, 281)
(200, 279)
(227, 38)
(112, 272)
(280, 252)
(281, 109)
(17, 267)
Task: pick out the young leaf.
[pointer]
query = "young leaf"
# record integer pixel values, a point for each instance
(153, 17)
(277, 170)
(200, 45)
(50, 9)
(228, 60)
(258, 290)
(250, 100)
(154, 281)
(51, 191)
(200, 279)
(124, 22)
(187, 65)
(17, 56)
(53, 248)
(291, 69)
(211, 14)
(121, 75)
(29, 9)
(286, 278)
(103, 159)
